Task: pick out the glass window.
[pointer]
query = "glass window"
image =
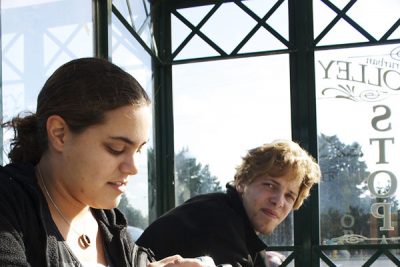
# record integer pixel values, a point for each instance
(129, 55)
(363, 20)
(38, 37)
(358, 112)
(222, 109)
(227, 26)
(137, 14)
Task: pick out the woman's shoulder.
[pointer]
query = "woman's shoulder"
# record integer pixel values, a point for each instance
(18, 172)
(17, 182)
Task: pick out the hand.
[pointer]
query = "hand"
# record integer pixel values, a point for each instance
(177, 261)
(274, 259)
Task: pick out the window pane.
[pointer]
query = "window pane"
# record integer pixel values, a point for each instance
(38, 37)
(374, 17)
(128, 54)
(228, 26)
(358, 112)
(137, 14)
(222, 109)
(348, 259)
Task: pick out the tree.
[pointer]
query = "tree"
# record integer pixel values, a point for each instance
(192, 178)
(342, 207)
(133, 216)
(342, 174)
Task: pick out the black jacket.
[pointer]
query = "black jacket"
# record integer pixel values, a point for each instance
(23, 215)
(213, 224)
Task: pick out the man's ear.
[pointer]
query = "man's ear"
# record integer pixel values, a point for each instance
(56, 132)
(239, 188)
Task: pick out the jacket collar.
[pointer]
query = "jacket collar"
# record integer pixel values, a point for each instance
(253, 240)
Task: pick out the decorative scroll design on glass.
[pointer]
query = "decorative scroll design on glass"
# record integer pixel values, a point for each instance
(395, 53)
(351, 93)
(355, 239)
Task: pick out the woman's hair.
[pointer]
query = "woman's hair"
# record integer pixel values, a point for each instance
(80, 91)
(277, 159)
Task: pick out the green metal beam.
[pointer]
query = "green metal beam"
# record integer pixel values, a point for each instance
(102, 28)
(303, 118)
(1, 90)
(164, 165)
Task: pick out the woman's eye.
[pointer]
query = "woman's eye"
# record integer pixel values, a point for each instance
(115, 151)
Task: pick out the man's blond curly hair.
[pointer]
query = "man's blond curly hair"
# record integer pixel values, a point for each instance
(276, 159)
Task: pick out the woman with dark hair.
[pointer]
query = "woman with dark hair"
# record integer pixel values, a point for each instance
(70, 162)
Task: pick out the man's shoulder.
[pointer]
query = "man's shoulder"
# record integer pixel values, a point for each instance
(206, 203)
(199, 214)
(206, 199)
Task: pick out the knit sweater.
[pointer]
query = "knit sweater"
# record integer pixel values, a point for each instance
(24, 215)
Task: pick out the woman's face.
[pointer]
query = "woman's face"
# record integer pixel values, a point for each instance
(97, 163)
(268, 200)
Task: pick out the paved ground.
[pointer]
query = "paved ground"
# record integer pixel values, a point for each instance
(359, 263)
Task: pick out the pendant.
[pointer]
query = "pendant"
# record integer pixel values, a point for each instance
(84, 241)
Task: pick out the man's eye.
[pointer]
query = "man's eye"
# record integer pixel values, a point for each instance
(269, 185)
(291, 198)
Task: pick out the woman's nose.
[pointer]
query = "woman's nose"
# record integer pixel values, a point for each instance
(128, 166)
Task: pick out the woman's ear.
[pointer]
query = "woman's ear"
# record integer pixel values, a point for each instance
(56, 131)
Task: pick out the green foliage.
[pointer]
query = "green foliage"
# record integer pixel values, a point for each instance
(133, 216)
(342, 189)
(192, 178)
(330, 224)
(342, 174)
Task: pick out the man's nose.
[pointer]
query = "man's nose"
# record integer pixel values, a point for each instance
(278, 199)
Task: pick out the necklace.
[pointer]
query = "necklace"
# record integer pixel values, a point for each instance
(83, 239)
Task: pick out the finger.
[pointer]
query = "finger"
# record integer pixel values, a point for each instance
(173, 258)
(165, 261)
(186, 262)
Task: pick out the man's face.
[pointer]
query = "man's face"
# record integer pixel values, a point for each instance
(268, 200)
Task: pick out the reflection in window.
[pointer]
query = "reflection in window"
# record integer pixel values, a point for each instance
(130, 56)
(357, 107)
(137, 14)
(36, 40)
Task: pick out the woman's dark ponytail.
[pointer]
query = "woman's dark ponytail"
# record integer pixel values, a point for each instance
(25, 145)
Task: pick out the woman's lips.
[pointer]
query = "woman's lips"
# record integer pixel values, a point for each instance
(119, 185)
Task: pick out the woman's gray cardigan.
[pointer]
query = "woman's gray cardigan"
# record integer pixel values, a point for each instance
(24, 213)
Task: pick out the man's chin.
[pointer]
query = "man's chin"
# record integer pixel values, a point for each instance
(265, 230)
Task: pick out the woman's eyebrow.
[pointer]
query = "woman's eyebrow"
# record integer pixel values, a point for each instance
(126, 140)
(123, 139)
